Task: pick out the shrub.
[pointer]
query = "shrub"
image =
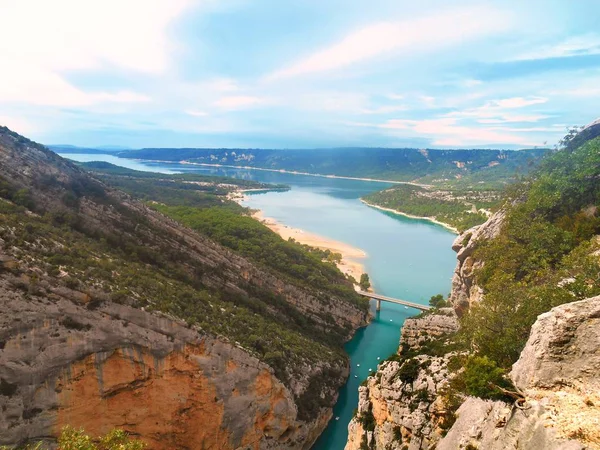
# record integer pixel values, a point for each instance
(409, 371)
(482, 378)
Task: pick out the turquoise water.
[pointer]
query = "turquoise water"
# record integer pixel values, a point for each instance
(407, 258)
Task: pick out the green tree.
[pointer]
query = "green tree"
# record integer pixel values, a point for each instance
(364, 283)
(437, 301)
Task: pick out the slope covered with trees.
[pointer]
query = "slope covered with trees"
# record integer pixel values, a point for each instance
(66, 234)
(401, 164)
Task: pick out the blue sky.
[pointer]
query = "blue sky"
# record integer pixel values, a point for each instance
(299, 73)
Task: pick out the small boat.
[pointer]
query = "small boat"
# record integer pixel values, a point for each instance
(355, 376)
(337, 418)
(378, 358)
(358, 365)
(370, 370)
(390, 320)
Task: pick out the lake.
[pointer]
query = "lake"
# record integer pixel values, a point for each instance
(406, 258)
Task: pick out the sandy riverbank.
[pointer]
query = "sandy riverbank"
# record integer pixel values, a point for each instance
(410, 216)
(351, 256)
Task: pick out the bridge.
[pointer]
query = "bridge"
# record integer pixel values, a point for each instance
(383, 298)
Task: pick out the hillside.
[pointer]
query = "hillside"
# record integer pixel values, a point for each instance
(511, 359)
(114, 314)
(402, 164)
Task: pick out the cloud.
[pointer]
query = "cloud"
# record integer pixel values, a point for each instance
(237, 102)
(448, 132)
(588, 44)
(196, 113)
(432, 32)
(499, 111)
(518, 102)
(42, 41)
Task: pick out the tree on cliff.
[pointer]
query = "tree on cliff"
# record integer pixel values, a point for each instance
(364, 282)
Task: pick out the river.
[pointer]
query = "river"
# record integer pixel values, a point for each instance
(406, 258)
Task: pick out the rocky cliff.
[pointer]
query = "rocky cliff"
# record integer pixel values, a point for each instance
(404, 404)
(557, 374)
(65, 361)
(101, 299)
(465, 291)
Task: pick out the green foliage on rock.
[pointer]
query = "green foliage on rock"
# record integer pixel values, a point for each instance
(459, 209)
(73, 439)
(545, 255)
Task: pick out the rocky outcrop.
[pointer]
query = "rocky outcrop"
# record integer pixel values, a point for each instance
(108, 365)
(403, 405)
(70, 354)
(558, 376)
(465, 292)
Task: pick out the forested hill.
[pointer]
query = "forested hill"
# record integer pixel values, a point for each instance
(402, 164)
(150, 286)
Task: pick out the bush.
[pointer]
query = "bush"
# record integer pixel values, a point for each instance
(482, 377)
(72, 439)
(437, 301)
(409, 371)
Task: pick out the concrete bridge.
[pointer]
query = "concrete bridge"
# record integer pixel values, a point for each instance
(383, 298)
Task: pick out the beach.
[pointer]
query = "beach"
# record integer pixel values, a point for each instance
(410, 216)
(351, 256)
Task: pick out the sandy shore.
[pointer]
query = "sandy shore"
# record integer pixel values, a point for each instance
(410, 216)
(351, 256)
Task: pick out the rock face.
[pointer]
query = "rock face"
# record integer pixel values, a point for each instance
(558, 375)
(464, 290)
(74, 356)
(114, 366)
(403, 404)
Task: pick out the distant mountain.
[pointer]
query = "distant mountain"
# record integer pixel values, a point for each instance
(402, 164)
(65, 148)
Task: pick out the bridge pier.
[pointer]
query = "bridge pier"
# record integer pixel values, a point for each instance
(378, 305)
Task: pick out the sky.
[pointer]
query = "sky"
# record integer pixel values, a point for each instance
(299, 73)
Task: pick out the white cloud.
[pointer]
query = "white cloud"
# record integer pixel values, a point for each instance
(223, 85)
(500, 111)
(588, 44)
(236, 102)
(518, 102)
(384, 109)
(40, 41)
(196, 113)
(432, 32)
(448, 132)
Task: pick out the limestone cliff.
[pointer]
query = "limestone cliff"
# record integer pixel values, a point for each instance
(558, 376)
(100, 366)
(79, 346)
(403, 404)
(465, 291)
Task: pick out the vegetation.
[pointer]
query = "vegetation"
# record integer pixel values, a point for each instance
(364, 282)
(129, 259)
(459, 209)
(402, 164)
(543, 257)
(73, 439)
(254, 240)
(437, 301)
